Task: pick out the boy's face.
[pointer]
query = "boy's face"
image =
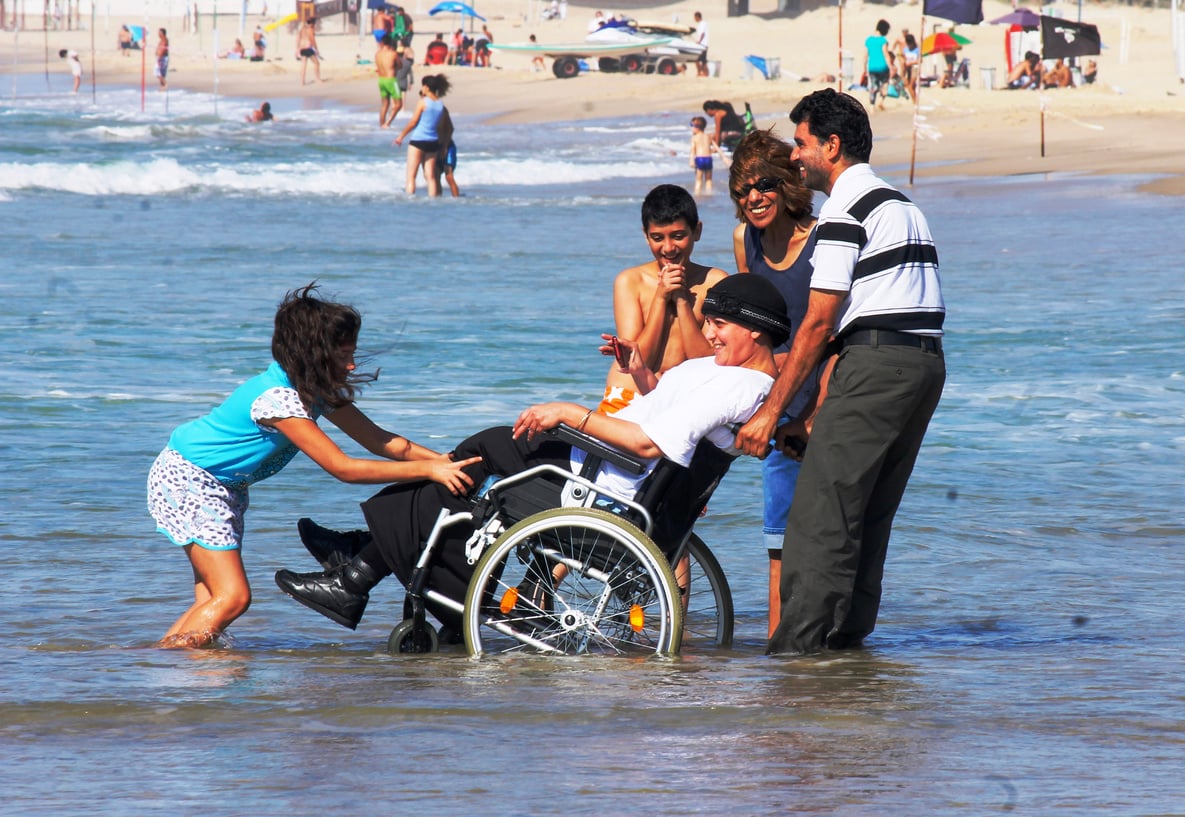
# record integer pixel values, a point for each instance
(672, 243)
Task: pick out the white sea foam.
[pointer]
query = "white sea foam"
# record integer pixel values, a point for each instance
(163, 176)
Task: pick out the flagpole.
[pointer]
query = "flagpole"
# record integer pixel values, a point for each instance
(839, 74)
(917, 93)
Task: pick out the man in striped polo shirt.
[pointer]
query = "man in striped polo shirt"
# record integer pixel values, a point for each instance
(875, 295)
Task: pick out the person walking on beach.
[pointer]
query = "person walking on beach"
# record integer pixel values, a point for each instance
(198, 486)
(875, 294)
(775, 240)
(162, 58)
(424, 144)
(306, 48)
(878, 63)
(386, 64)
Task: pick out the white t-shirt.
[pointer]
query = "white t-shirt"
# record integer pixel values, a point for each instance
(701, 33)
(695, 399)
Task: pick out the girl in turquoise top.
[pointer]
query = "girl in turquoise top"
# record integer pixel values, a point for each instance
(197, 488)
(423, 128)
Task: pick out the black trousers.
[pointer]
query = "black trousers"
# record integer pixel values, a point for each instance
(401, 516)
(861, 454)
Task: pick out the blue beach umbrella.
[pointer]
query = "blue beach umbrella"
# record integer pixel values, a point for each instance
(455, 7)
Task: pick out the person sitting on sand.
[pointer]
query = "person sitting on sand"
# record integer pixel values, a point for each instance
(237, 52)
(1091, 73)
(258, 46)
(1058, 76)
(1027, 72)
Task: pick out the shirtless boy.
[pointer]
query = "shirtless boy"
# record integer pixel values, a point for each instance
(659, 304)
(386, 63)
(702, 148)
(306, 49)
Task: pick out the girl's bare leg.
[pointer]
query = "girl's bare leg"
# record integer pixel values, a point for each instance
(430, 177)
(414, 157)
(221, 594)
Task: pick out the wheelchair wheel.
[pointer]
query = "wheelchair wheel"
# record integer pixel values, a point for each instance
(573, 582)
(409, 638)
(707, 598)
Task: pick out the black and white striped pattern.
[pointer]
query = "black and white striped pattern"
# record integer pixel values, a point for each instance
(874, 244)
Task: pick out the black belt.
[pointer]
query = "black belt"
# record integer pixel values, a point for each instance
(891, 337)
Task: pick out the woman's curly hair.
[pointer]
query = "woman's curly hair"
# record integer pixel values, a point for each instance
(760, 155)
(307, 342)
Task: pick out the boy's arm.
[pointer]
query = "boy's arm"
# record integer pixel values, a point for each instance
(652, 340)
(689, 322)
(647, 329)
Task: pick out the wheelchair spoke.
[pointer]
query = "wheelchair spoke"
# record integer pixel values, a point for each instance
(574, 581)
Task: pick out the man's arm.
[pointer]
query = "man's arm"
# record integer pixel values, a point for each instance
(807, 350)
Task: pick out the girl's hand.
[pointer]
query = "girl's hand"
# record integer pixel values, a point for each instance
(450, 474)
(398, 140)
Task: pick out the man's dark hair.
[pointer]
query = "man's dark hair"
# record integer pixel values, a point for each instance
(667, 204)
(828, 113)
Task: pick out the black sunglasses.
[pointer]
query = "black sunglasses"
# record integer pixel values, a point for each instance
(766, 184)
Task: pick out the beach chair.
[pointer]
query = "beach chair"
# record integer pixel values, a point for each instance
(562, 566)
(768, 67)
(958, 75)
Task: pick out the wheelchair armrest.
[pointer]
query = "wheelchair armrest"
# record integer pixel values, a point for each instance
(614, 456)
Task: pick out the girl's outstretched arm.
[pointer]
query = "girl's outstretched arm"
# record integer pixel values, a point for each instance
(310, 439)
(378, 441)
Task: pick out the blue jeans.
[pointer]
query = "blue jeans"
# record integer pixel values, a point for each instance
(779, 474)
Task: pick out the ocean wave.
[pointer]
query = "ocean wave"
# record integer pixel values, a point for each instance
(165, 176)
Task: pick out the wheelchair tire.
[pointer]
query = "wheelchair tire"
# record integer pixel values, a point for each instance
(616, 594)
(408, 638)
(707, 599)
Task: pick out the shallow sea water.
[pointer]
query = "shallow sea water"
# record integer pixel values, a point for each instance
(1028, 656)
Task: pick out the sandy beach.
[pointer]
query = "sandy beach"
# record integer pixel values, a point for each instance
(1121, 124)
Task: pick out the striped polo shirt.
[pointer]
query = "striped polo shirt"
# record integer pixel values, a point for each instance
(874, 244)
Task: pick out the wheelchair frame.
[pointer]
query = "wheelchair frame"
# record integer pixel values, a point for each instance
(572, 578)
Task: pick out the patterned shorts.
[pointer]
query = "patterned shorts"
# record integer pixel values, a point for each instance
(190, 506)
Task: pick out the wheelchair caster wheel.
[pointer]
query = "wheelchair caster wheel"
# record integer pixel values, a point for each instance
(407, 637)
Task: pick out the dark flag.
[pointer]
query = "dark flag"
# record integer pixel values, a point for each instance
(957, 11)
(1062, 38)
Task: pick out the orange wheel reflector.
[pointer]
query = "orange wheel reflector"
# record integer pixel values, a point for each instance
(509, 599)
(637, 618)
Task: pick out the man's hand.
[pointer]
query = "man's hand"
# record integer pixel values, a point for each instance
(754, 436)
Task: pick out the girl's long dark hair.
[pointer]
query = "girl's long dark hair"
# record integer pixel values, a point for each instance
(307, 343)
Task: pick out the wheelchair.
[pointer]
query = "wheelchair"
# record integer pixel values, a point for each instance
(561, 566)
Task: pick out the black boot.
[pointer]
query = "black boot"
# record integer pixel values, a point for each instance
(330, 547)
(340, 593)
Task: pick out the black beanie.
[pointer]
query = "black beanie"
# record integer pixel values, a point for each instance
(752, 302)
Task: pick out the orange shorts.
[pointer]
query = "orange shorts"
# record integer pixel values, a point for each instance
(616, 398)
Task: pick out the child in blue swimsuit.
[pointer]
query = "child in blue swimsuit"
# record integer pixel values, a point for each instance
(197, 488)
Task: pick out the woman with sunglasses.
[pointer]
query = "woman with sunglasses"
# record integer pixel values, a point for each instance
(775, 239)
